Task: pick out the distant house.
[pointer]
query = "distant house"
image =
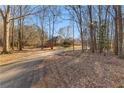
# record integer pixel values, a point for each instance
(56, 41)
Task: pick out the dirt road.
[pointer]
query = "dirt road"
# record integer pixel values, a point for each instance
(23, 72)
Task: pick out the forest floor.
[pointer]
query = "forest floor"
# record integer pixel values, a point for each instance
(74, 69)
(61, 68)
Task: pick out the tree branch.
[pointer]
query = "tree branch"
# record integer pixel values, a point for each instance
(1, 13)
(19, 17)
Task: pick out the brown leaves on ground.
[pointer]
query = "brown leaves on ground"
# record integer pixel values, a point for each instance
(83, 70)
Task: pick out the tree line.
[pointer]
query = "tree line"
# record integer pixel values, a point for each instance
(100, 27)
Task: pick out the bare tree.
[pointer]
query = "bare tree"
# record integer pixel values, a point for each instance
(42, 18)
(20, 29)
(5, 13)
(116, 32)
(13, 26)
(76, 12)
(92, 45)
(120, 31)
(65, 32)
(55, 13)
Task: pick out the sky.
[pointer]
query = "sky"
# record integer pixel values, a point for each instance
(59, 24)
(31, 20)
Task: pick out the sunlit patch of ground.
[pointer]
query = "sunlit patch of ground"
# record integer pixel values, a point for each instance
(27, 52)
(15, 55)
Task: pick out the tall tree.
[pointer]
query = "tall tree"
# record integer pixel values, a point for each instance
(120, 31)
(42, 17)
(76, 12)
(5, 16)
(20, 29)
(55, 13)
(116, 32)
(92, 45)
(13, 26)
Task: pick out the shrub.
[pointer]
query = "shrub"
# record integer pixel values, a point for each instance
(67, 43)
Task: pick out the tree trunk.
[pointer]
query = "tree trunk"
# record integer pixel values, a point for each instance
(42, 36)
(6, 36)
(120, 32)
(82, 45)
(91, 29)
(100, 35)
(6, 31)
(12, 35)
(52, 41)
(73, 35)
(116, 33)
(20, 31)
(13, 27)
(81, 29)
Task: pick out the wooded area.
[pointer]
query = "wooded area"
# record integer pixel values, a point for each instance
(97, 29)
(100, 27)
